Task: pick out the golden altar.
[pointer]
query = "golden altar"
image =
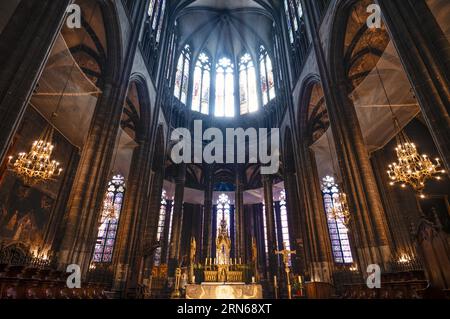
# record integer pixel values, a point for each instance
(223, 276)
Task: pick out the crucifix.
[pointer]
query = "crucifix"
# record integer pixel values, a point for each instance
(286, 253)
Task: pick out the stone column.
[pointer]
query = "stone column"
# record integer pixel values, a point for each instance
(25, 45)
(270, 222)
(177, 220)
(297, 224)
(239, 214)
(52, 233)
(368, 217)
(127, 250)
(207, 213)
(425, 54)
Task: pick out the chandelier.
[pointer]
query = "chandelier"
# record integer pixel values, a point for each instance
(340, 209)
(37, 165)
(412, 168)
(109, 211)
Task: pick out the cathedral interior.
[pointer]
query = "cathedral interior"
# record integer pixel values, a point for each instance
(94, 204)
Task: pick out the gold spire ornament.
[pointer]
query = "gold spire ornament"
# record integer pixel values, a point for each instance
(412, 168)
(37, 165)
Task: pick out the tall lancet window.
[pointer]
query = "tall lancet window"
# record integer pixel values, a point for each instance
(340, 242)
(284, 220)
(161, 20)
(224, 88)
(182, 75)
(294, 12)
(161, 226)
(247, 85)
(223, 211)
(109, 220)
(267, 78)
(202, 81)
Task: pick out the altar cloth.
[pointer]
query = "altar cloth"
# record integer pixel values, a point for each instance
(224, 291)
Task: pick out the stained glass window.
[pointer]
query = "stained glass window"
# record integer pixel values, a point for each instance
(155, 16)
(289, 22)
(151, 8)
(247, 85)
(161, 20)
(224, 88)
(299, 8)
(340, 243)
(284, 221)
(202, 81)
(182, 75)
(160, 231)
(223, 211)
(267, 78)
(109, 220)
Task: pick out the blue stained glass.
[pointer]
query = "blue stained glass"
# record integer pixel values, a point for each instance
(340, 242)
(112, 206)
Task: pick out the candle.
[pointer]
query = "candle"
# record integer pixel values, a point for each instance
(253, 280)
(275, 281)
(193, 279)
(300, 279)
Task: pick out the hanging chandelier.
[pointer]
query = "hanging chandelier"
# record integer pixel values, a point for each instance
(412, 168)
(340, 208)
(37, 165)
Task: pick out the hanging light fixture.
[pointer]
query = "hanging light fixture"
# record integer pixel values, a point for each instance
(412, 168)
(37, 165)
(340, 209)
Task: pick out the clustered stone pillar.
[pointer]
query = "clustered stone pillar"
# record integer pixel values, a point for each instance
(318, 242)
(177, 220)
(127, 250)
(239, 214)
(270, 223)
(297, 224)
(425, 53)
(207, 213)
(25, 45)
(150, 226)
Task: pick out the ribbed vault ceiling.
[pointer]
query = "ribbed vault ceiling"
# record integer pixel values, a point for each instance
(225, 27)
